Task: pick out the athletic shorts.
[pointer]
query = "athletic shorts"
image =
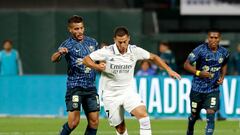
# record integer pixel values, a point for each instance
(88, 98)
(115, 107)
(204, 101)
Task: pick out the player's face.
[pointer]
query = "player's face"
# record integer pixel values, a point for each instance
(145, 66)
(7, 46)
(162, 48)
(122, 43)
(77, 30)
(213, 39)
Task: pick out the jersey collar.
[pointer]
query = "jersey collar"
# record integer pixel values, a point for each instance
(73, 38)
(116, 51)
(218, 46)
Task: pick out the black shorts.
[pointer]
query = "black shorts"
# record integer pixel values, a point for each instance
(88, 98)
(204, 101)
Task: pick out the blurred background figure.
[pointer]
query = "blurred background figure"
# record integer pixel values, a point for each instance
(166, 54)
(103, 44)
(236, 61)
(10, 63)
(145, 69)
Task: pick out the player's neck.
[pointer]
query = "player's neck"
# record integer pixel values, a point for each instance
(8, 50)
(214, 49)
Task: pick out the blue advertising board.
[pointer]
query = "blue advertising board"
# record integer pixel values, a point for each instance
(164, 97)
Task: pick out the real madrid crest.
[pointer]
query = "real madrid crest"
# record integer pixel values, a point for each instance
(131, 58)
(91, 48)
(220, 60)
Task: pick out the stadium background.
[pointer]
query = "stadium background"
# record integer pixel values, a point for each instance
(38, 27)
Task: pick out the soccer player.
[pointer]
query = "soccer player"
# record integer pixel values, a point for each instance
(117, 81)
(210, 60)
(81, 88)
(10, 62)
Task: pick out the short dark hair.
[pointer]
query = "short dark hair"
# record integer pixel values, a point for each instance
(165, 43)
(214, 30)
(75, 19)
(7, 40)
(148, 62)
(121, 31)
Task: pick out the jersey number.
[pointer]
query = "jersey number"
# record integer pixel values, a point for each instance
(213, 101)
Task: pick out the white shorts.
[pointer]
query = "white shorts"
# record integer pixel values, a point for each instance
(116, 106)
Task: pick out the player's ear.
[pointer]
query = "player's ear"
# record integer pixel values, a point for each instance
(69, 28)
(220, 37)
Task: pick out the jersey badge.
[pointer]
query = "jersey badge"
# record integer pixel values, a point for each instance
(220, 60)
(205, 68)
(91, 48)
(79, 61)
(191, 55)
(131, 58)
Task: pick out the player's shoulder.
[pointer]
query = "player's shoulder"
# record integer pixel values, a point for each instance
(223, 50)
(202, 46)
(133, 46)
(135, 49)
(109, 48)
(14, 51)
(90, 40)
(68, 42)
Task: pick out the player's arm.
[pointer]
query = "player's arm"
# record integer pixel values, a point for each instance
(56, 57)
(222, 74)
(90, 63)
(158, 61)
(19, 62)
(192, 69)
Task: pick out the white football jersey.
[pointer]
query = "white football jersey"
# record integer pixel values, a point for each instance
(118, 76)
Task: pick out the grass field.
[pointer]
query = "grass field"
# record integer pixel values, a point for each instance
(51, 126)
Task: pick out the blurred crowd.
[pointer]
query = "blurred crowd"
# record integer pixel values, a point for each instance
(10, 62)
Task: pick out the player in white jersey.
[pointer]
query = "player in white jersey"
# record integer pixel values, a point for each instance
(117, 81)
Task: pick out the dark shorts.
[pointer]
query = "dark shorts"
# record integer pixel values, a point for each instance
(204, 101)
(88, 98)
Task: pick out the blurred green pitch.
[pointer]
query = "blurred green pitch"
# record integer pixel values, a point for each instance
(51, 126)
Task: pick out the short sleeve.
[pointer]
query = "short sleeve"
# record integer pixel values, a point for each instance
(140, 53)
(194, 55)
(99, 55)
(64, 44)
(96, 45)
(226, 58)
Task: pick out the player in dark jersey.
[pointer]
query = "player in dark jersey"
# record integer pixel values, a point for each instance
(208, 63)
(81, 89)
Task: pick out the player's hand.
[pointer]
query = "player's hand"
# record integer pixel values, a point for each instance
(204, 74)
(220, 80)
(174, 75)
(63, 50)
(101, 66)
